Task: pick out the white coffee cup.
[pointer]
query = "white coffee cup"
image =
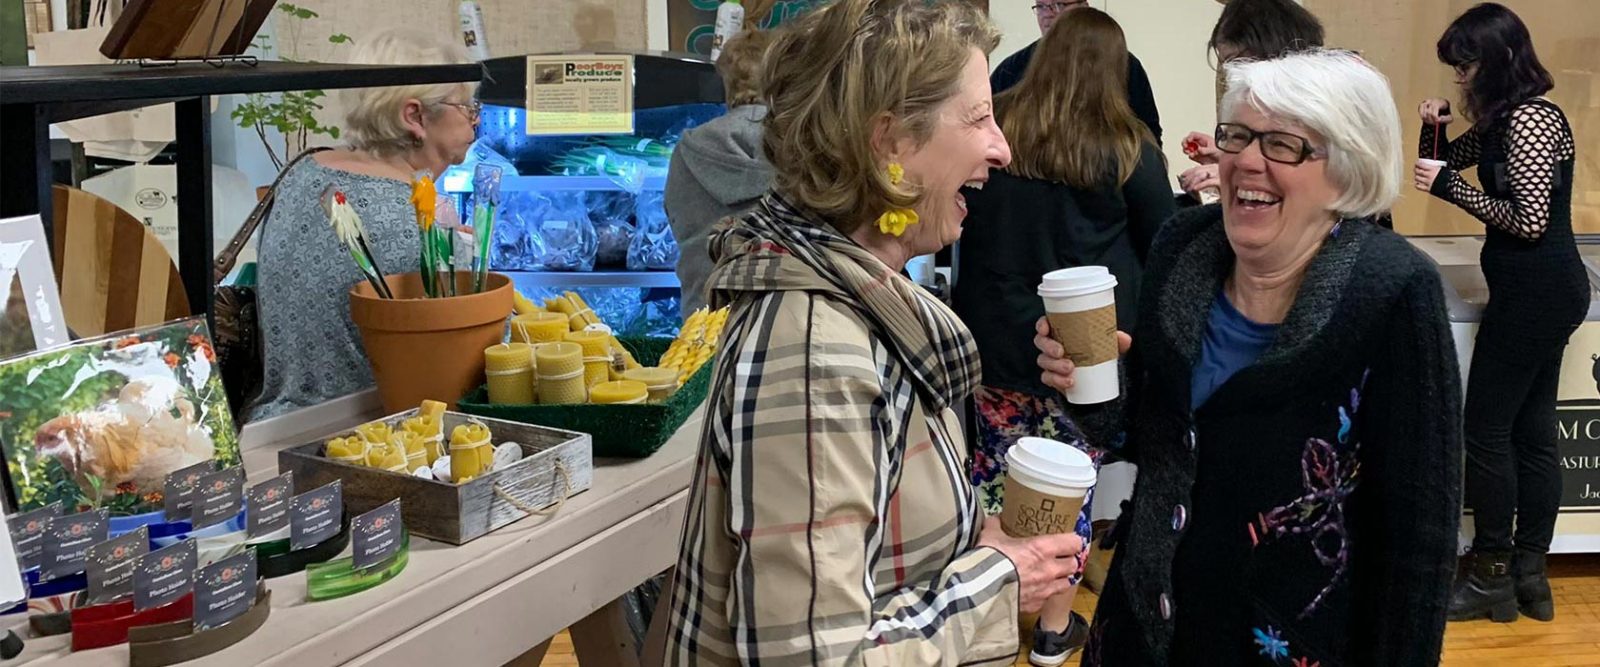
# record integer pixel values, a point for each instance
(1046, 484)
(1082, 308)
(1437, 163)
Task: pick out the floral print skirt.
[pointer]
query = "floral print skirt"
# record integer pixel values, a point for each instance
(1003, 416)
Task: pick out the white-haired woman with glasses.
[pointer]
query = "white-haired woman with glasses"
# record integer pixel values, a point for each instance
(1291, 399)
(311, 351)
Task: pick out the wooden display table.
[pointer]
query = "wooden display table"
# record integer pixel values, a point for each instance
(484, 603)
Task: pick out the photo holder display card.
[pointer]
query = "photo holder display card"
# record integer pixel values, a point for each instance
(111, 565)
(219, 496)
(224, 590)
(67, 540)
(376, 536)
(163, 576)
(27, 533)
(178, 494)
(267, 508)
(315, 516)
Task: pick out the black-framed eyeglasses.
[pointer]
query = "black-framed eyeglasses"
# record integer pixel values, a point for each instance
(473, 109)
(1280, 147)
(1057, 7)
(1464, 69)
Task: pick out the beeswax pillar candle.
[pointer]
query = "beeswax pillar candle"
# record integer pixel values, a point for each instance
(509, 367)
(662, 382)
(538, 328)
(620, 392)
(561, 377)
(596, 355)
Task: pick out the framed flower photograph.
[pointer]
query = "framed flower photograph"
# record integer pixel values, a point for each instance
(100, 422)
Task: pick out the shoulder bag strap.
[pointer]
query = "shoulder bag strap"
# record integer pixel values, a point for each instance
(230, 253)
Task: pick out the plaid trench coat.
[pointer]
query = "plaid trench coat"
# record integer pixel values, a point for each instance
(830, 522)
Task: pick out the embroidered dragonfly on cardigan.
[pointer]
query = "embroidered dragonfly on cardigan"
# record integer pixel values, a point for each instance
(1329, 473)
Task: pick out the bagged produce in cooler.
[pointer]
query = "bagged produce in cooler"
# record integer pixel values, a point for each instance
(568, 233)
(653, 247)
(517, 244)
(610, 212)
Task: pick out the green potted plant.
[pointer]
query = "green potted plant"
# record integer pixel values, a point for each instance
(292, 113)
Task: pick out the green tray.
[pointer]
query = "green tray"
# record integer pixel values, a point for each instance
(625, 431)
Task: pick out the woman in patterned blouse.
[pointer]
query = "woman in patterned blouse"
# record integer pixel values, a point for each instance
(830, 521)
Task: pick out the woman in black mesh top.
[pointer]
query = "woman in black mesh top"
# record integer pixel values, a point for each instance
(1523, 149)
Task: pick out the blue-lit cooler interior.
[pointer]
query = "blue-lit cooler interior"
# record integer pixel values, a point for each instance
(585, 204)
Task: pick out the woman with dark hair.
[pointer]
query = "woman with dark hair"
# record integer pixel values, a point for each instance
(1538, 295)
(1252, 30)
(1086, 186)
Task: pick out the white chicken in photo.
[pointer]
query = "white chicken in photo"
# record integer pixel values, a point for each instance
(147, 431)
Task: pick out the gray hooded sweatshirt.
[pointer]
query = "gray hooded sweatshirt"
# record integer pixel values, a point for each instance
(718, 170)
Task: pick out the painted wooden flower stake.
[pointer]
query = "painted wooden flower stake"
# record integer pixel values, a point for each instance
(347, 226)
(485, 199)
(437, 278)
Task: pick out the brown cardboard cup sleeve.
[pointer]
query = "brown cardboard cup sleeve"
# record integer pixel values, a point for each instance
(1089, 336)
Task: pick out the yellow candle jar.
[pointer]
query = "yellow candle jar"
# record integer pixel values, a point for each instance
(348, 450)
(375, 433)
(429, 432)
(433, 409)
(621, 392)
(510, 370)
(662, 382)
(539, 328)
(561, 373)
(467, 441)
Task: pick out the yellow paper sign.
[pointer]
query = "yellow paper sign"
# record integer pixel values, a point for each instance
(577, 94)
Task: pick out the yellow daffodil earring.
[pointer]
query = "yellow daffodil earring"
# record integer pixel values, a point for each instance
(895, 220)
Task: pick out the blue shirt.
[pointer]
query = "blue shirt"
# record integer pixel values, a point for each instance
(1231, 344)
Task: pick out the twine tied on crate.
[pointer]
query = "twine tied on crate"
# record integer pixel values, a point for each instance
(566, 492)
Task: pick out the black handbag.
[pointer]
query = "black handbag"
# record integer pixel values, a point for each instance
(237, 337)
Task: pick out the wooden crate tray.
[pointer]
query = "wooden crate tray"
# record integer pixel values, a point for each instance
(457, 513)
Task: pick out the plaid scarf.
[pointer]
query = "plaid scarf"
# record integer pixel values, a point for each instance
(779, 247)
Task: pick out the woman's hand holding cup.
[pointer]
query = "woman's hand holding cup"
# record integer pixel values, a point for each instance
(1057, 368)
(1043, 563)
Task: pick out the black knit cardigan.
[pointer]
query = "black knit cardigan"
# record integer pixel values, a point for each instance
(1307, 512)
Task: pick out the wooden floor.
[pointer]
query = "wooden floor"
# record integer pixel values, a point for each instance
(1572, 639)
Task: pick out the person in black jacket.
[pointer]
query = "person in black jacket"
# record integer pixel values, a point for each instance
(1538, 295)
(1291, 398)
(1087, 186)
(1251, 30)
(1010, 71)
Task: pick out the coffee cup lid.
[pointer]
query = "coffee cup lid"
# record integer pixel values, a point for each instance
(1076, 281)
(1053, 462)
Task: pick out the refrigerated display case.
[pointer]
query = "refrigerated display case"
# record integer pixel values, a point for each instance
(1577, 399)
(584, 212)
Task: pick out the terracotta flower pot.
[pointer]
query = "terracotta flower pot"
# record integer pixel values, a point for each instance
(424, 348)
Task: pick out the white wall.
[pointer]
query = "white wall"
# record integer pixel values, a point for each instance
(1168, 36)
